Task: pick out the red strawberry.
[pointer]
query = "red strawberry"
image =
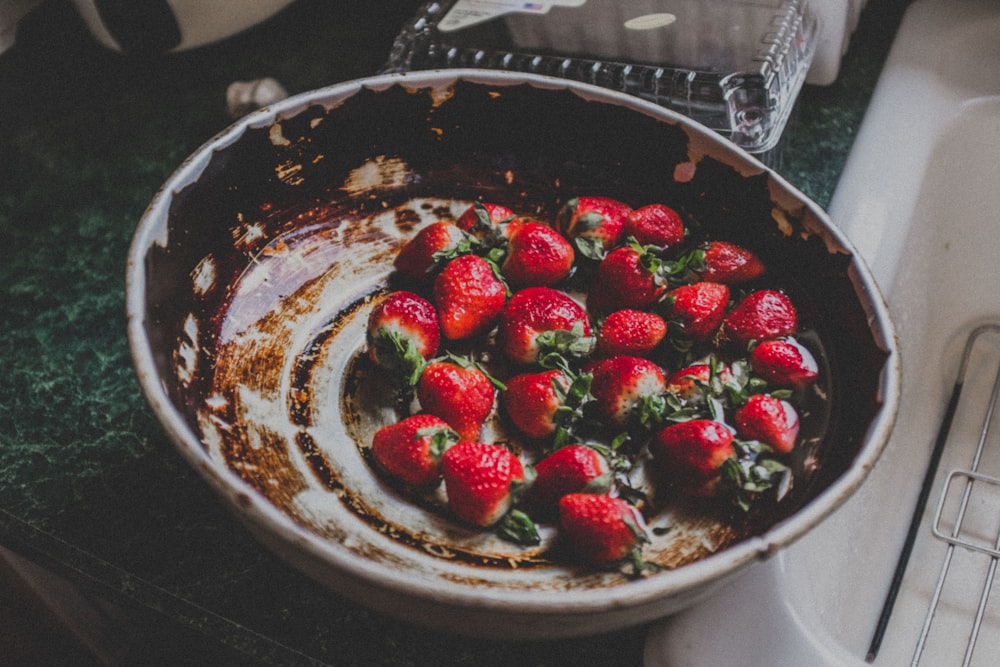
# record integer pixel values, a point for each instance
(462, 395)
(690, 384)
(784, 363)
(469, 297)
(627, 278)
(697, 310)
(482, 481)
(762, 315)
(769, 420)
(538, 320)
(692, 453)
(594, 224)
(536, 255)
(532, 401)
(630, 332)
(730, 263)
(655, 224)
(622, 385)
(486, 220)
(410, 450)
(601, 530)
(403, 332)
(430, 248)
(572, 468)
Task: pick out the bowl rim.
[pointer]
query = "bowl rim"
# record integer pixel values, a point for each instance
(262, 514)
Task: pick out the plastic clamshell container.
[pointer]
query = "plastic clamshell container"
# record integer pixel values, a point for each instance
(735, 67)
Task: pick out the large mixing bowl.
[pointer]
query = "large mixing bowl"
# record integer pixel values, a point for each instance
(253, 270)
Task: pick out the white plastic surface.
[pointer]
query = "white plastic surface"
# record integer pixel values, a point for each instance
(837, 21)
(920, 198)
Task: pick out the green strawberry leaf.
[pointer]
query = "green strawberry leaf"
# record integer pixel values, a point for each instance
(590, 247)
(618, 463)
(572, 344)
(466, 246)
(441, 439)
(652, 410)
(517, 527)
(752, 471)
(399, 355)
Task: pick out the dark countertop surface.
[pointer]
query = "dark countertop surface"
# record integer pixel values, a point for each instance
(90, 486)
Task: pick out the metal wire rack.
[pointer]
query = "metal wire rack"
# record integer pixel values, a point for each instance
(967, 517)
(968, 504)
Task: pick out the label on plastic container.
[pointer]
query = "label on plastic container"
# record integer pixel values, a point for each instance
(465, 13)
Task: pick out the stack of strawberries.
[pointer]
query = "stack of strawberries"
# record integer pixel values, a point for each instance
(605, 336)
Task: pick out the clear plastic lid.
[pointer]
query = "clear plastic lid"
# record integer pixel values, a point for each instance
(736, 66)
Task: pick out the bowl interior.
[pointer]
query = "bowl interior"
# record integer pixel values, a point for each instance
(258, 264)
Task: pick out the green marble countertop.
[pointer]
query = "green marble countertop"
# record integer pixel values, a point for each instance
(90, 486)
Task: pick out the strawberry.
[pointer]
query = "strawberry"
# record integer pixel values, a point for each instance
(656, 225)
(536, 255)
(403, 332)
(482, 481)
(458, 392)
(429, 249)
(696, 383)
(729, 263)
(539, 320)
(469, 297)
(573, 468)
(784, 363)
(626, 278)
(410, 450)
(601, 530)
(696, 311)
(693, 454)
(487, 221)
(761, 315)
(544, 403)
(770, 420)
(593, 224)
(623, 387)
(630, 332)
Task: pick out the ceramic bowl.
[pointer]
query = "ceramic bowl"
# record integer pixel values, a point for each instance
(252, 273)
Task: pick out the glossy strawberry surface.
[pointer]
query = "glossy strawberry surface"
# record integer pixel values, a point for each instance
(594, 224)
(630, 332)
(531, 401)
(599, 530)
(770, 420)
(536, 255)
(624, 280)
(469, 297)
(410, 450)
(573, 468)
(463, 396)
(403, 331)
(481, 481)
(655, 224)
(620, 384)
(533, 312)
(421, 256)
(730, 263)
(696, 311)
(692, 454)
(480, 217)
(784, 363)
(762, 315)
